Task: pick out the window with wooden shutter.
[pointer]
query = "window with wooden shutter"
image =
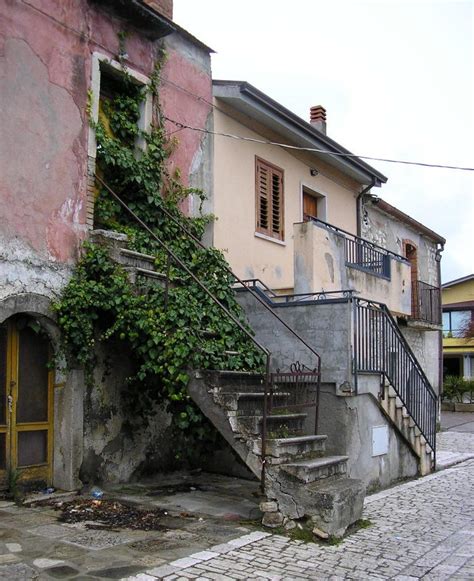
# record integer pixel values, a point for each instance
(269, 199)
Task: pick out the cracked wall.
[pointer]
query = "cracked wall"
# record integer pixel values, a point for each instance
(118, 443)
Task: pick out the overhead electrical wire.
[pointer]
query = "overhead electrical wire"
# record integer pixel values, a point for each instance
(315, 149)
(262, 141)
(181, 125)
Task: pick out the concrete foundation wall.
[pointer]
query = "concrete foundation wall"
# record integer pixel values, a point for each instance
(348, 422)
(325, 327)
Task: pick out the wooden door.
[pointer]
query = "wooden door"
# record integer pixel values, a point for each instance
(310, 207)
(26, 403)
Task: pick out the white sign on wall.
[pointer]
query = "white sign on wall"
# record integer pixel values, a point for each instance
(379, 440)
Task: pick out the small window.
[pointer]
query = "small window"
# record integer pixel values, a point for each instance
(456, 323)
(269, 199)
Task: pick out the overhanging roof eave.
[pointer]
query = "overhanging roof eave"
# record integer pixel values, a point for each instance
(249, 100)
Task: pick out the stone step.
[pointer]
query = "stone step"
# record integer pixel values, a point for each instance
(235, 381)
(248, 403)
(136, 259)
(279, 426)
(335, 503)
(136, 275)
(316, 469)
(284, 450)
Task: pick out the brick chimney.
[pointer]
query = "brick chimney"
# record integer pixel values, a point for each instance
(164, 7)
(318, 118)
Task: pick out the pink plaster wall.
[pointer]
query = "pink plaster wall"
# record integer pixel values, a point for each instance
(45, 73)
(185, 96)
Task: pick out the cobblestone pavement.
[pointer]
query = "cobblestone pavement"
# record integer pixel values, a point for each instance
(454, 447)
(422, 529)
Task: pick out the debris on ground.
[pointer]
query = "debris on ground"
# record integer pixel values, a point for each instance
(110, 514)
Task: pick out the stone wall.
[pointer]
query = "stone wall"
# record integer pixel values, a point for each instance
(119, 443)
(384, 229)
(389, 232)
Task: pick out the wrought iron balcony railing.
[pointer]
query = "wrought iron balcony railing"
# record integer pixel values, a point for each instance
(363, 254)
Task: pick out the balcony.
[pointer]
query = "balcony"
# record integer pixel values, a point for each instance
(328, 259)
(426, 301)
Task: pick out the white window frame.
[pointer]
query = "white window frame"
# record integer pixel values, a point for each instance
(99, 61)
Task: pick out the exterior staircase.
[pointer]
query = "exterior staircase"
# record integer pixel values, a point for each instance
(381, 352)
(406, 396)
(139, 267)
(398, 414)
(300, 479)
(264, 417)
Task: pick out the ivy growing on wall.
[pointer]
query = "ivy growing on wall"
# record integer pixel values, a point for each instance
(166, 334)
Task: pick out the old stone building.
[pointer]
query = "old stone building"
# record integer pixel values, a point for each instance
(55, 62)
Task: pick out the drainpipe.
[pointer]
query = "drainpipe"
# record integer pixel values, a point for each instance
(439, 250)
(359, 205)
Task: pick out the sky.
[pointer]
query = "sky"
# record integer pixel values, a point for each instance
(395, 76)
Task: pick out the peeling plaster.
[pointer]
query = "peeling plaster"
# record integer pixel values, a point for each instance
(38, 164)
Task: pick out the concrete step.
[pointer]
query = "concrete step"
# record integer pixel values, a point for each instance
(284, 450)
(316, 469)
(249, 403)
(279, 426)
(138, 274)
(235, 381)
(136, 259)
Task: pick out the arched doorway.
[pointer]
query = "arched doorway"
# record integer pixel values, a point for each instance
(26, 402)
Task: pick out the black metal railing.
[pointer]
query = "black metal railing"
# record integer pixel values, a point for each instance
(363, 254)
(380, 347)
(269, 383)
(426, 300)
(278, 299)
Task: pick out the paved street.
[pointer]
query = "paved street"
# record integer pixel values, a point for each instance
(421, 529)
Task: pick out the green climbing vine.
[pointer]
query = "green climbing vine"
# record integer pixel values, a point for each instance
(166, 333)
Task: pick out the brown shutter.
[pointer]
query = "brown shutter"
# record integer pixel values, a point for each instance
(263, 197)
(269, 199)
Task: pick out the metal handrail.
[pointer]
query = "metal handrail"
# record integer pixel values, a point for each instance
(298, 297)
(404, 372)
(265, 351)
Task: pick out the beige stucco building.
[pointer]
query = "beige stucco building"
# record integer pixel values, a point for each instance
(333, 183)
(357, 279)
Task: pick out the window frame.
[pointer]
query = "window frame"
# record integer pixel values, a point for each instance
(274, 171)
(100, 63)
(454, 332)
